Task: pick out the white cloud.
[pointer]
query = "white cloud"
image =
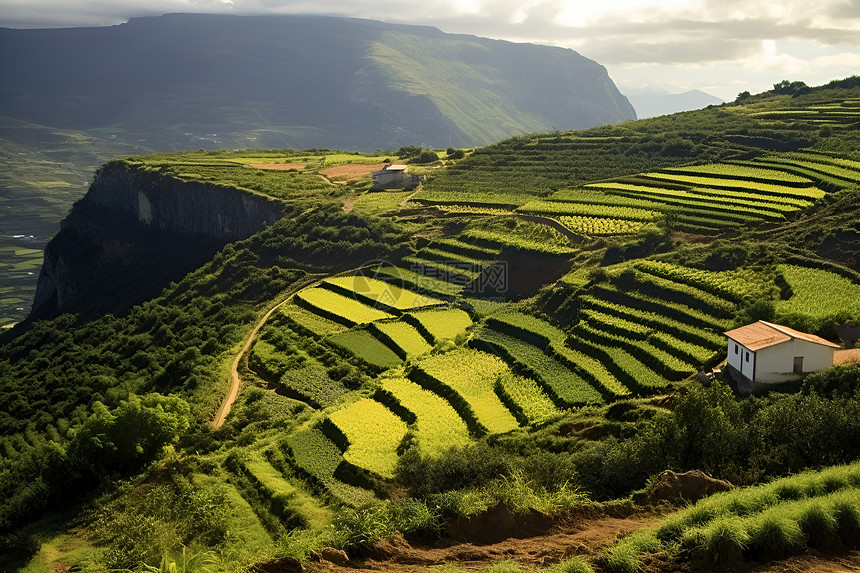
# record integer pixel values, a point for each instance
(720, 44)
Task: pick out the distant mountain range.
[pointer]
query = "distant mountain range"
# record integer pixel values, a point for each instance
(652, 104)
(206, 81)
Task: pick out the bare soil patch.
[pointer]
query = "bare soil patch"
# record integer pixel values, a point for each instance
(350, 171)
(279, 166)
(572, 536)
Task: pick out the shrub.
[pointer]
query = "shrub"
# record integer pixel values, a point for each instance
(725, 541)
(818, 523)
(773, 536)
(572, 565)
(455, 469)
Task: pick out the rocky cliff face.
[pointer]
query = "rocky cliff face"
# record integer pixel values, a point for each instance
(133, 233)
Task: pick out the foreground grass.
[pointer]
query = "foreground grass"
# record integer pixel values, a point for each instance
(814, 509)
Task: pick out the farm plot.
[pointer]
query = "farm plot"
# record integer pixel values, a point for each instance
(525, 399)
(374, 434)
(308, 322)
(556, 208)
(379, 293)
(402, 337)
(564, 386)
(774, 520)
(700, 344)
(440, 324)
(466, 378)
(312, 384)
(316, 459)
(818, 294)
(437, 426)
(597, 226)
(732, 285)
(603, 330)
(367, 348)
(497, 239)
(834, 171)
(419, 282)
(504, 201)
(336, 307)
(554, 342)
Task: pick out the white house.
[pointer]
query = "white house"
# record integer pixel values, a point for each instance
(394, 177)
(762, 355)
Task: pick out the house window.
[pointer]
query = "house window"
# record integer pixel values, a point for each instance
(747, 356)
(737, 348)
(798, 364)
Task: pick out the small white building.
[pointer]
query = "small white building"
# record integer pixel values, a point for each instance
(394, 177)
(762, 355)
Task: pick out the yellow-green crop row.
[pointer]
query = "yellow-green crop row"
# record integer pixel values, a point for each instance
(318, 325)
(317, 458)
(405, 336)
(818, 293)
(516, 242)
(367, 348)
(738, 209)
(437, 425)
(443, 323)
(338, 307)
(703, 181)
(731, 285)
(588, 210)
(383, 292)
(601, 225)
(373, 432)
(442, 271)
(471, 375)
(525, 397)
(474, 210)
(419, 281)
(744, 171)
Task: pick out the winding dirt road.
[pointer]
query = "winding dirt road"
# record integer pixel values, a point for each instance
(235, 380)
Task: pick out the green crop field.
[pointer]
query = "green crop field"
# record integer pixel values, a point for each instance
(317, 458)
(468, 377)
(441, 324)
(380, 292)
(374, 434)
(563, 385)
(818, 293)
(437, 425)
(310, 322)
(787, 516)
(525, 399)
(366, 347)
(403, 337)
(337, 307)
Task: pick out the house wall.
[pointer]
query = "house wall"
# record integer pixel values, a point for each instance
(739, 360)
(735, 354)
(393, 179)
(776, 363)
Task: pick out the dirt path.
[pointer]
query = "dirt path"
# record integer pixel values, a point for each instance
(349, 203)
(235, 380)
(575, 536)
(409, 197)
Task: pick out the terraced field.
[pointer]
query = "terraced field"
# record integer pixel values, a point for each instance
(641, 329)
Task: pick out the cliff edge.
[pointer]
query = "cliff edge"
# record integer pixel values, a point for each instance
(134, 232)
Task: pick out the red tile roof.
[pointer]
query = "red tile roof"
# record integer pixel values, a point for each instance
(763, 334)
(850, 356)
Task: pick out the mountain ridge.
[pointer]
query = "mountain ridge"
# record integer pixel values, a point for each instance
(299, 81)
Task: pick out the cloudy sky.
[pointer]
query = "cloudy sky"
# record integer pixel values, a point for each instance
(720, 47)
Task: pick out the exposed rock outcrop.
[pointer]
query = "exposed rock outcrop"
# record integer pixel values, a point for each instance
(134, 232)
(688, 486)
